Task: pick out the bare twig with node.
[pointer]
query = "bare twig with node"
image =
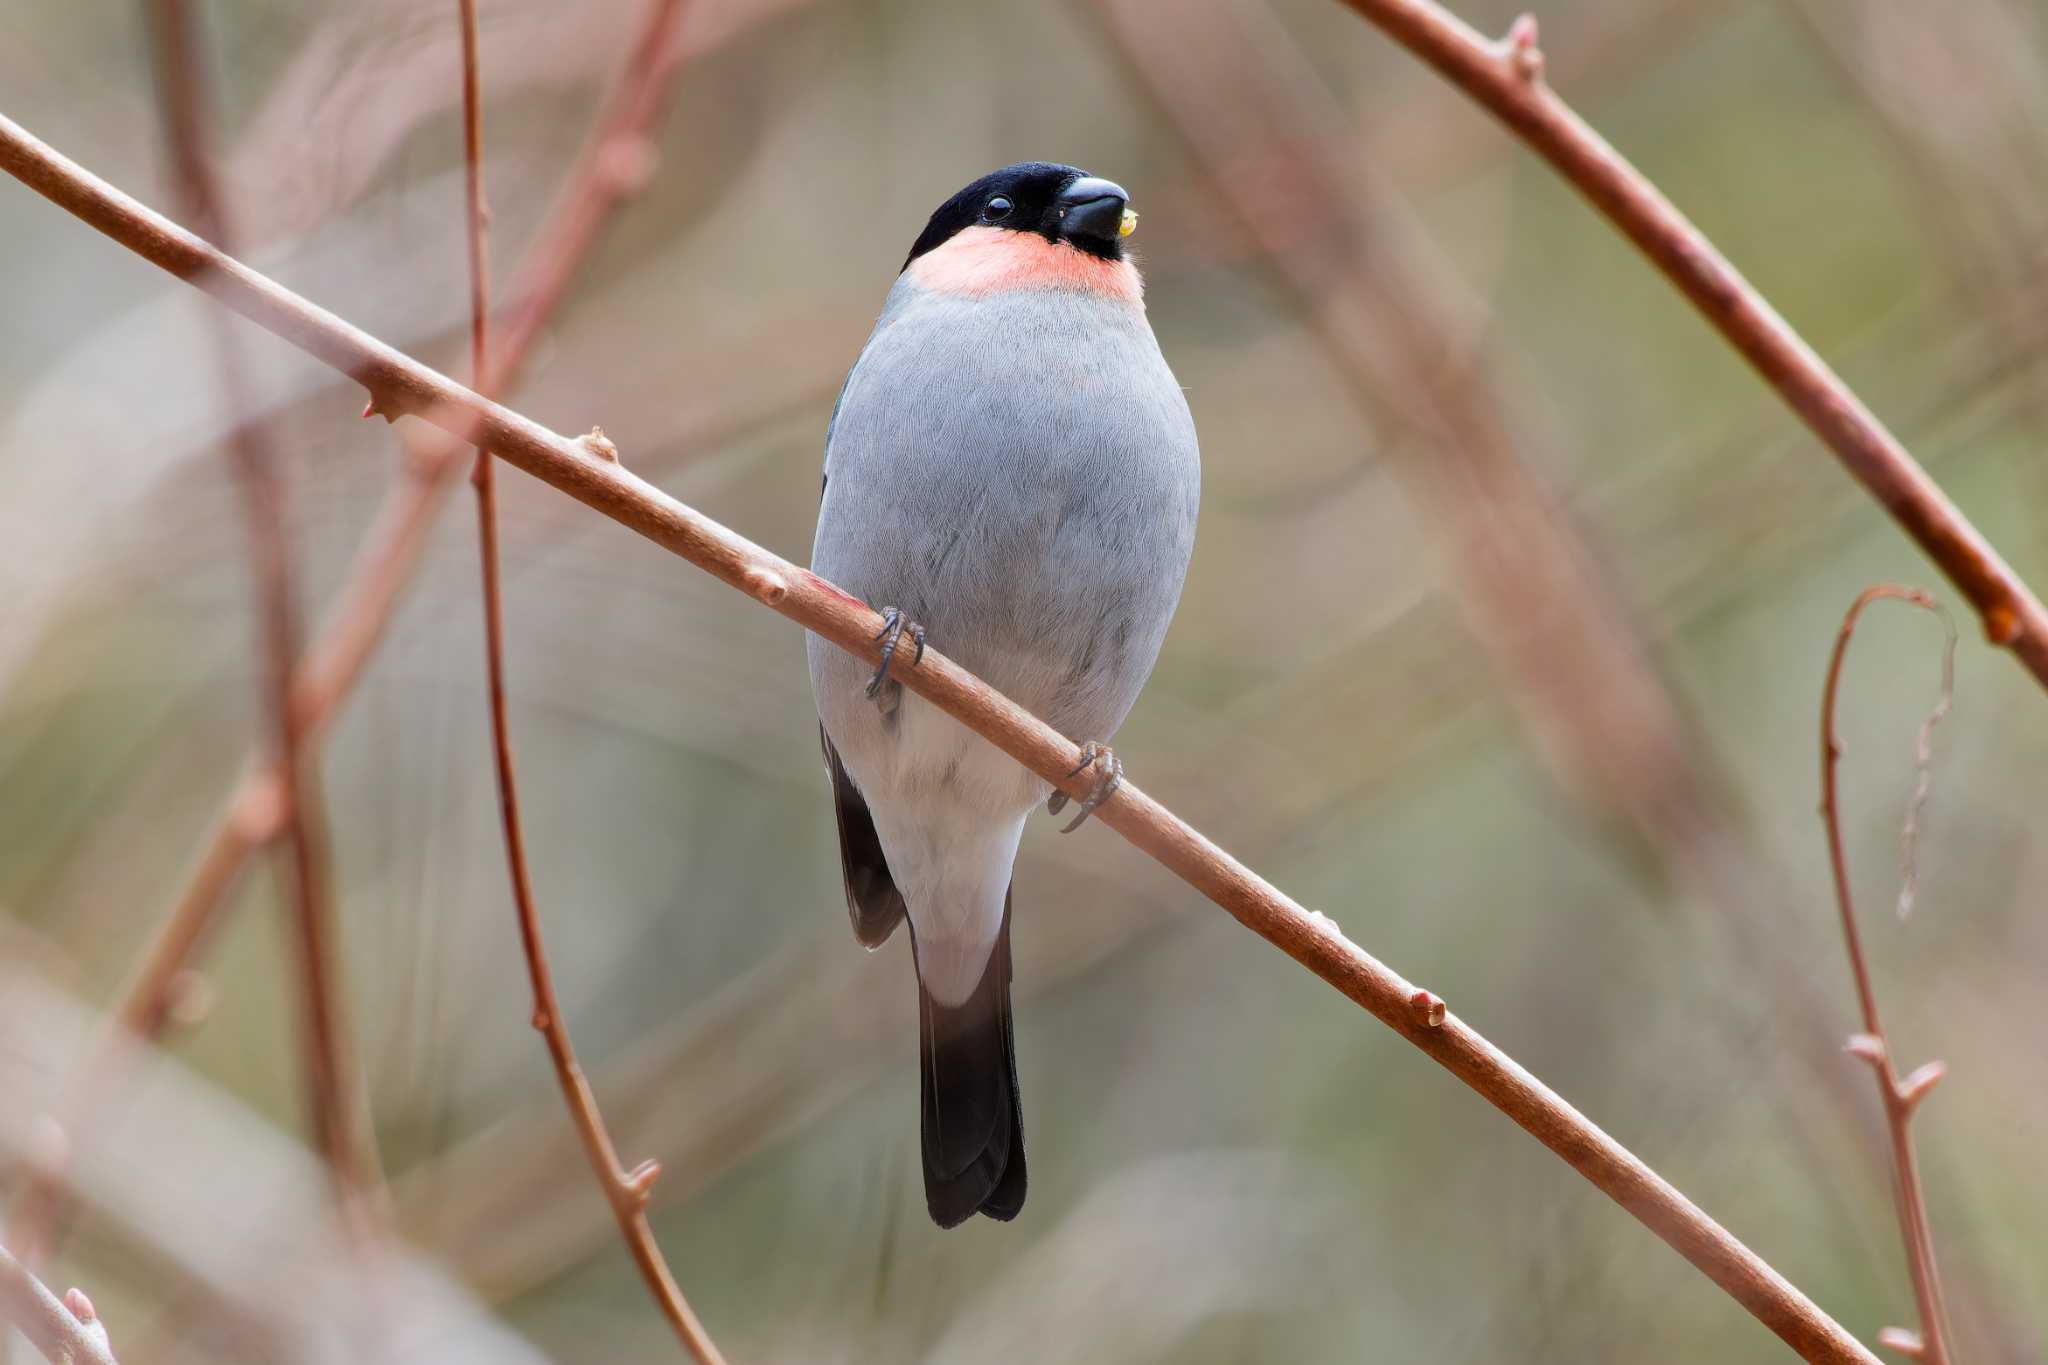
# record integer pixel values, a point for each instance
(1900, 1096)
(626, 1191)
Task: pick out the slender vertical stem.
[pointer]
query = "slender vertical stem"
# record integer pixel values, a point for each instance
(1900, 1098)
(626, 1192)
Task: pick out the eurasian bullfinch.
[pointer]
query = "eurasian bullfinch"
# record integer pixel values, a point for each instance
(1012, 469)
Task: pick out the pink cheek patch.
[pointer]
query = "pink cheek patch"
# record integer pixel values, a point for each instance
(978, 261)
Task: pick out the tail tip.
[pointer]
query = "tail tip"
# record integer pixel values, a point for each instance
(998, 1195)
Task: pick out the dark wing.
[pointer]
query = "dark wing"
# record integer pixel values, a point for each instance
(872, 900)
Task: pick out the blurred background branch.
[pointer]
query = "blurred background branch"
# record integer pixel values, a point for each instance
(338, 1102)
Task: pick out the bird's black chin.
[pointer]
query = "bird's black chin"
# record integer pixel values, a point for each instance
(1089, 215)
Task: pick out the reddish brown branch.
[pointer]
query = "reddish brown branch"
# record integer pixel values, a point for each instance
(67, 1331)
(1900, 1097)
(337, 1103)
(1507, 78)
(626, 1192)
(332, 666)
(834, 615)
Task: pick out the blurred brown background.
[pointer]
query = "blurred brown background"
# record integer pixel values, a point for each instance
(1503, 646)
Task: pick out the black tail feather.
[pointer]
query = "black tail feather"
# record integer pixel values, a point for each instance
(972, 1127)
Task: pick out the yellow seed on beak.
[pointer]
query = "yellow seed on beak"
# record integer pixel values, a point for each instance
(1129, 224)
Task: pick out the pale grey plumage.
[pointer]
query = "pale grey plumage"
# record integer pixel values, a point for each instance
(1018, 473)
(1012, 467)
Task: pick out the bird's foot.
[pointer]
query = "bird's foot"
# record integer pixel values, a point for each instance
(894, 625)
(1109, 775)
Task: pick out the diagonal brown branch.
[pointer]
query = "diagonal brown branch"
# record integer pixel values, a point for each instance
(339, 1108)
(626, 1192)
(1901, 1097)
(1507, 78)
(400, 383)
(333, 664)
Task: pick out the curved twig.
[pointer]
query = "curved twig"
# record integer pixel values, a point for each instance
(399, 383)
(1901, 1097)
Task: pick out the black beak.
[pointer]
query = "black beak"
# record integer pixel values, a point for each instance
(1091, 211)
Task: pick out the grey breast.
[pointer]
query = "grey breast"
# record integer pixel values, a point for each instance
(1019, 474)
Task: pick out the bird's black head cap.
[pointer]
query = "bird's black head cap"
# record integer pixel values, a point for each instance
(1059, 203)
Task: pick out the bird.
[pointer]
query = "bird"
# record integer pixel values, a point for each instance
(1012, 475)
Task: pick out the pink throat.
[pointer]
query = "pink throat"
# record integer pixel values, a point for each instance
(979, 261)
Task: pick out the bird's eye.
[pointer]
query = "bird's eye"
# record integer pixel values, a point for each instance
(997, 209)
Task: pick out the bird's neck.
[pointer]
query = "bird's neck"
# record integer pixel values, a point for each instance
(978, 261)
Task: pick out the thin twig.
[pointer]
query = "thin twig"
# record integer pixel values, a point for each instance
(67, 1331)
(337, 1100)
(1507, 78)
(626, 1192)
(334, 663)
(1901, 1097)
(400, 383)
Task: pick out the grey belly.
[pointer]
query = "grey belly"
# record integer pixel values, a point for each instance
(1032, 505)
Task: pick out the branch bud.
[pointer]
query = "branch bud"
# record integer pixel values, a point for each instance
(640, 1180)
(379, 406)
(1868, 1046)
(80, 1307)
(766, 586)
(1522, 53)
(189, 997)
(1428, 1009)
(1902, 1340)
(1914, 1088)
(2001, 625)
